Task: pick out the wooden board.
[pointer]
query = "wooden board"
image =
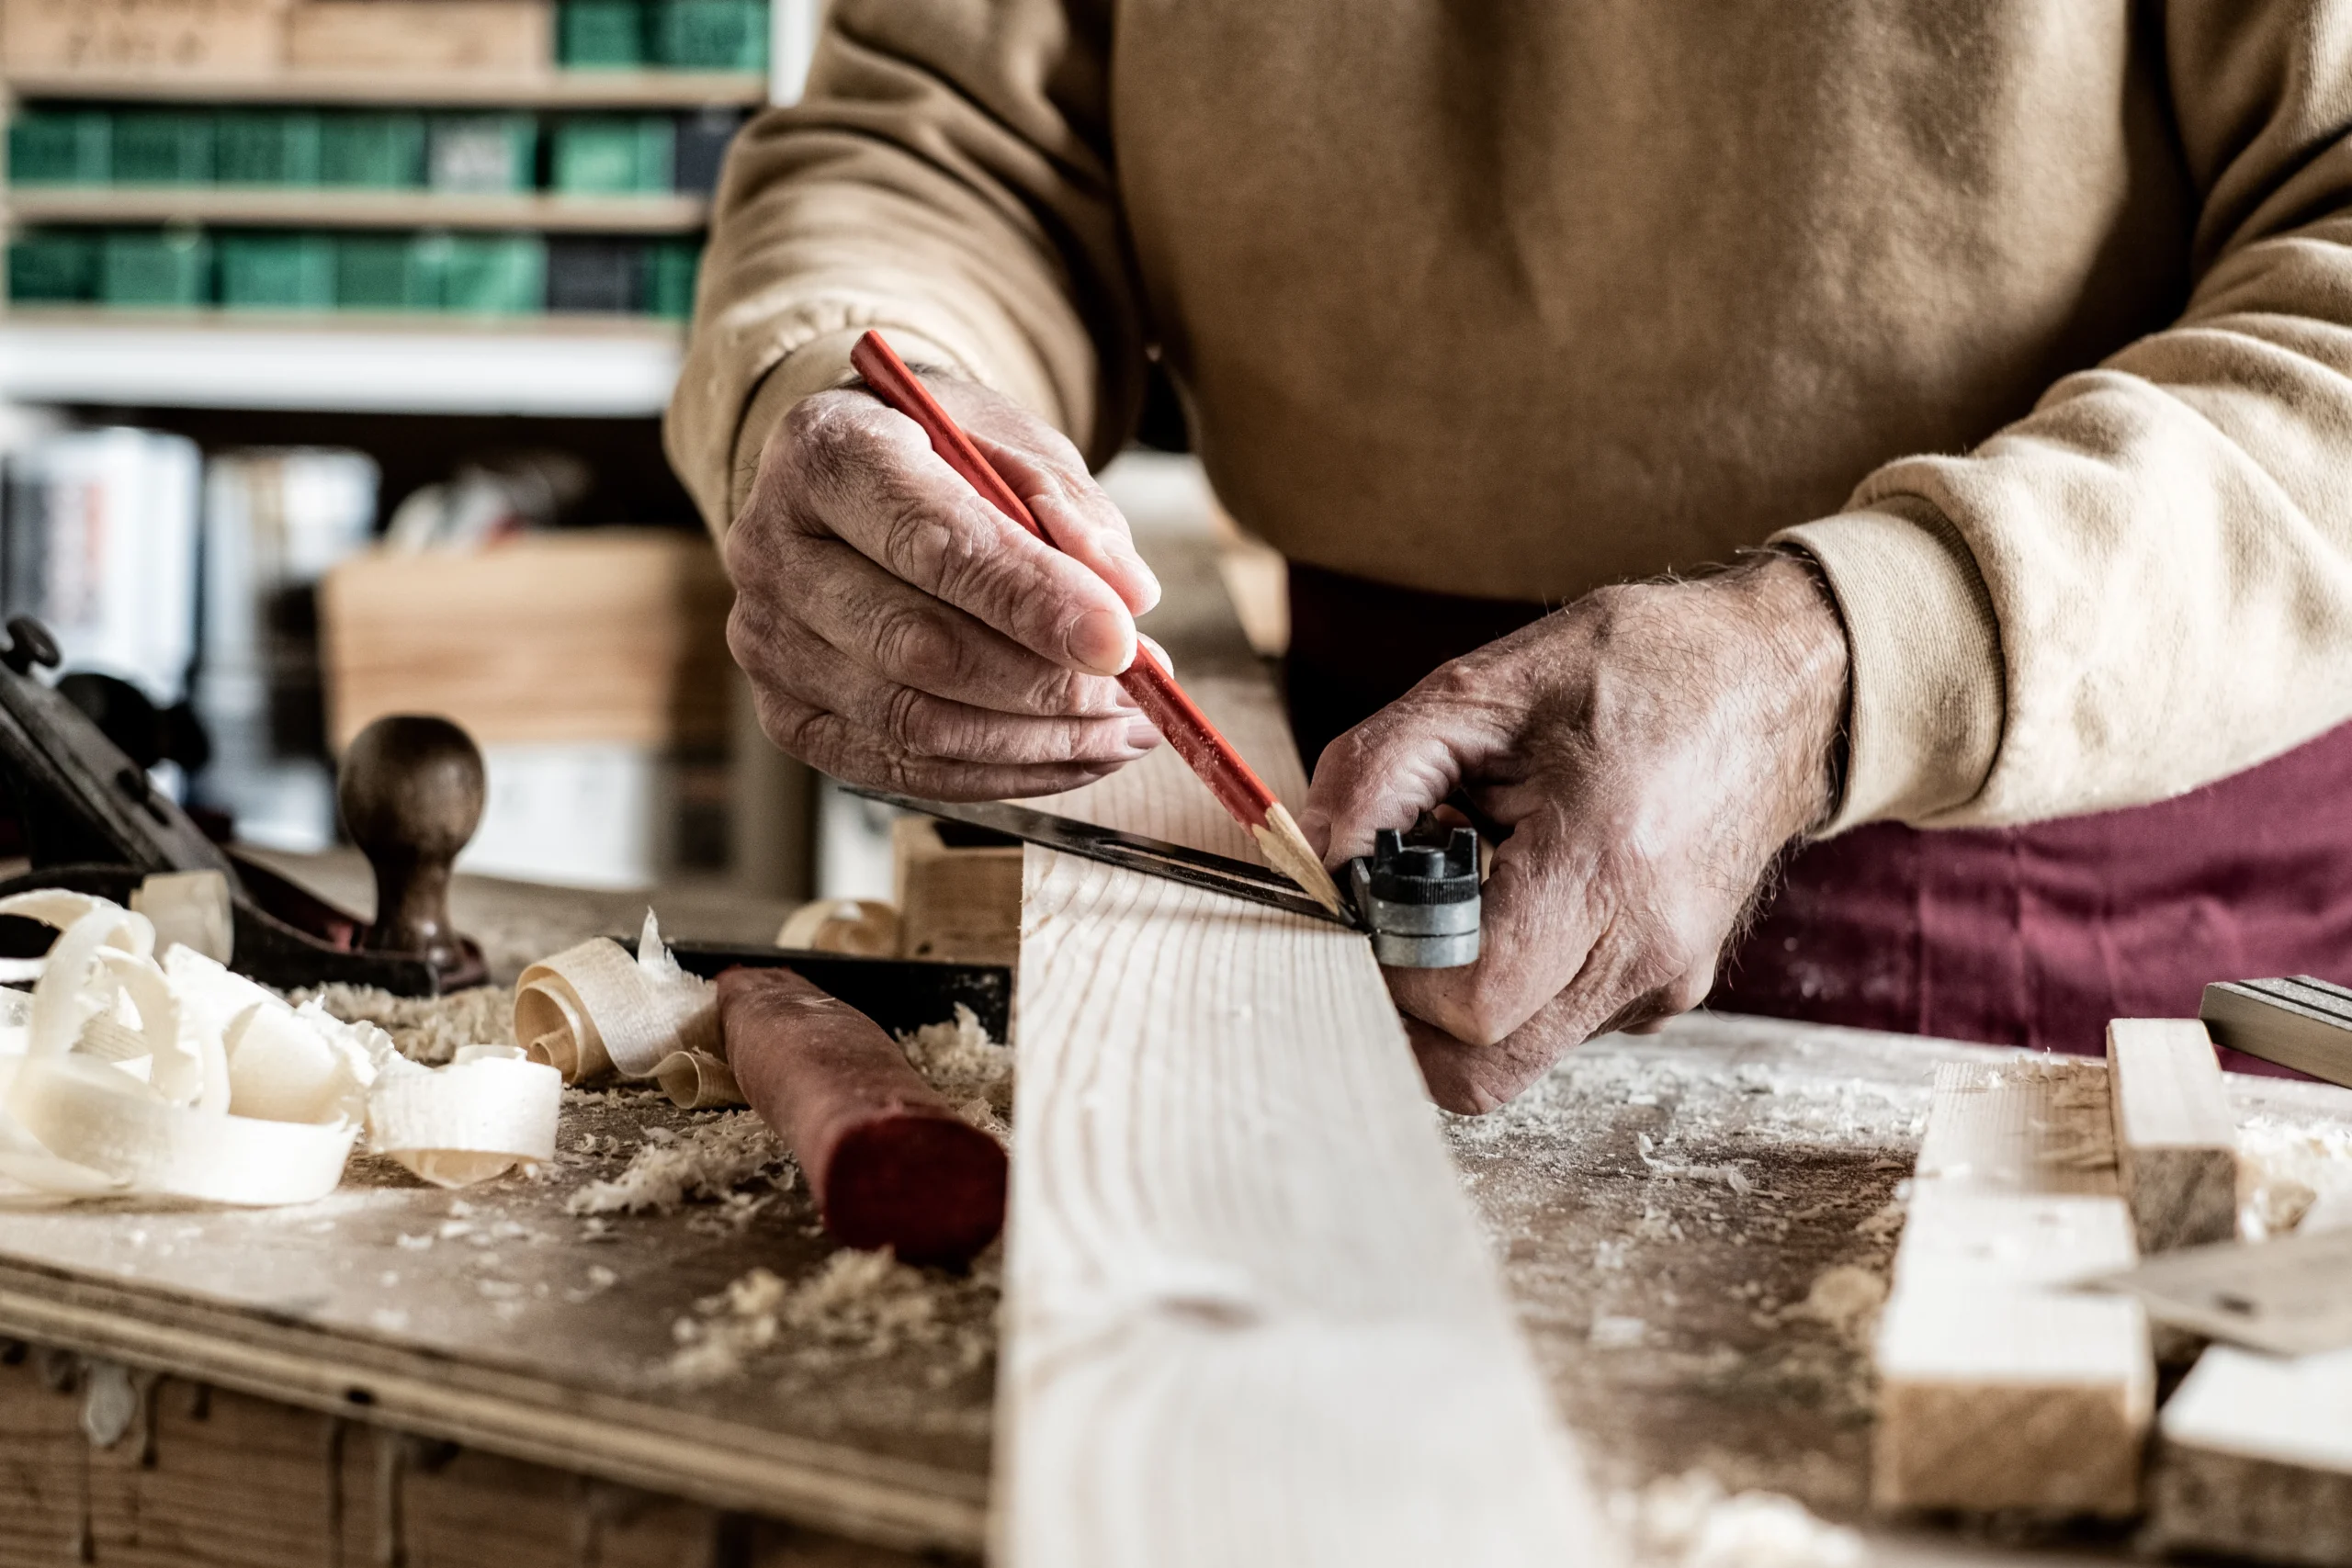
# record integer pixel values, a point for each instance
(2176, 1144)
(2256, 1458)
(602, 635)
(1996, 1390)
(321, 208)
(1245, 1295)
(546, 89)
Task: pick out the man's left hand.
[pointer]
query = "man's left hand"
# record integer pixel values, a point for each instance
(1650, 748)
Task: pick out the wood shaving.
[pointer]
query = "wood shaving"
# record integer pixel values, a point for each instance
(1691, 1521)
(709, 1162)
(860, 1306)
(427, 1029)
(2293, 1176)
(973, 1072)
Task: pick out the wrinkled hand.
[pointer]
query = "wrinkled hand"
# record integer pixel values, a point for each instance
(1651, 749)
(900, 632)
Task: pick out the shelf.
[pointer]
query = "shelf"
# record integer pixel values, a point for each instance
(553, 89)
(327, 207)
(562, 365)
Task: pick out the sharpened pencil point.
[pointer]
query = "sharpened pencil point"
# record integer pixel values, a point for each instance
(1287, 848)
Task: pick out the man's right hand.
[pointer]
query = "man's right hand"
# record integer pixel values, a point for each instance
(902, 633)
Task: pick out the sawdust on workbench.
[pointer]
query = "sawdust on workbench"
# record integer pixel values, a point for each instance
(1698, 1247)
(973, 1072)
(2297, 1176)
(712, 1161)
(1689, 1521)
(860, 1307)
(426, 1029)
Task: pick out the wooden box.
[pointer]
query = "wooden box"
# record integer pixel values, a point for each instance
(600, 635)
(958, 902)
(143, 38)
(501, 37)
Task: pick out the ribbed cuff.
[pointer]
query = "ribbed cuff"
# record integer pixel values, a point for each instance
(1928, 693)
(815, 366)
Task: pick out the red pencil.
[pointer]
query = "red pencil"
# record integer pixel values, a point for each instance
(1147, 681)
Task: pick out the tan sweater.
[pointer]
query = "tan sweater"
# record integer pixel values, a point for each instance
(2031, 319)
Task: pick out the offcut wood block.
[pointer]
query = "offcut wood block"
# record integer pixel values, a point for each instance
(599, 634)
(2255, 1459)
(2176, 1142)
(489, 37)
(1998, 1389)
(144, 38)
(958, 902)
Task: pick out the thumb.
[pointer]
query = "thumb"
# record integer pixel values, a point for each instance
(1396, 764)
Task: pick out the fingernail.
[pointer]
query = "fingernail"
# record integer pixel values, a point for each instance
(1143, 735)
(1098, 640)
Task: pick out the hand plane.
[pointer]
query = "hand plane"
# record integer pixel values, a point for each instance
(411, 791)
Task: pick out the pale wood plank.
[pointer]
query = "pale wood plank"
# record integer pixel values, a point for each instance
(1249, 1317)
(2176, 1142)
(2256, 1458)
(1997, 1390)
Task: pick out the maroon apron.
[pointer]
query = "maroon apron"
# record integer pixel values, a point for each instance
(2016, 936)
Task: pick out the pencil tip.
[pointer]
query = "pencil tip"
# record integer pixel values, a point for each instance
(1287, 847)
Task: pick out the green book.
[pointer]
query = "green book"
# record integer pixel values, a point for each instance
(52, 267)
(481, 151)
(283, 271)
(155, 266)
(390, 272)
(61, 147)
(711, 35)
(162, 147)
(600, 35)
(380, 150)
(266, 147)
(495, 274)
(670, 278)
(613, 155)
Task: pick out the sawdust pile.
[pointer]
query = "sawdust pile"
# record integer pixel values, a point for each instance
(2297, 1176)
(1689, 1521)
(860, 1306)
(428, 1030)
(713, 1161)
(973, 1072)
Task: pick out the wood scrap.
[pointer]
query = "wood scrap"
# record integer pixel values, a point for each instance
(2176, 1141)
(889, 1162)
(2255, 1459)
(958, 901)
(1997, 1390)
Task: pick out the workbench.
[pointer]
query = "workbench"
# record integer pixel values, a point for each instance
(404, 1374)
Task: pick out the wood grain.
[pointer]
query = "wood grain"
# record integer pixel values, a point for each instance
(1998, 1390)
(605, 635)
(2255, 1459)
(1249, 1317)
(2176, 1142)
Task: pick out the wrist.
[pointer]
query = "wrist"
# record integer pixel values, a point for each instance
(1808, 693)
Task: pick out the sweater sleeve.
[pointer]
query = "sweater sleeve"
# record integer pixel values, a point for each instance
(947, 179)
(2146, 583)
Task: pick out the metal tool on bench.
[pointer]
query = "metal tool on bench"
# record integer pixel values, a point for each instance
(1416, 895)
(93, 822)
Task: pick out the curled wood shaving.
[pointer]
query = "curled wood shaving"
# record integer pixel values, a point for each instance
(123, 1074)
(593, 1012)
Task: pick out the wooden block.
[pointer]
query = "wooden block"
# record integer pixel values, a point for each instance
(144, 38)
(2176, 1141)
(2255, 1459)
(599, 634)
(958, 903)
(2302, 1023)
(1997, 1388)
(503, 37)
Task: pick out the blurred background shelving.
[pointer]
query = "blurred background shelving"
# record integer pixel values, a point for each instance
(335, 337)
